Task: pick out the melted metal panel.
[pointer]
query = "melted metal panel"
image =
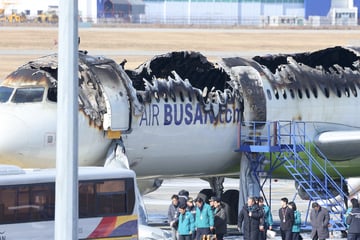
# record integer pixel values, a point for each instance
(185, 76)
(332, 70)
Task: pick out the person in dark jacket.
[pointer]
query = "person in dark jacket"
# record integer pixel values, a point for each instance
(173, 215)
(286, 215)
(319, 218)
(297, 222)
(268, 219)
(353, 220)
(249, 220)
(220, 224)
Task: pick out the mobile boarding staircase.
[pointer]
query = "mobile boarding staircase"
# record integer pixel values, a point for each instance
(271, 145)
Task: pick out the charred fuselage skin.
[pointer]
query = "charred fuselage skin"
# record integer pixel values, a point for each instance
(182, 113)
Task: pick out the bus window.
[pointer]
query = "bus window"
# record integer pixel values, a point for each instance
(86, 199)
(27, 203)
(42, 202)
(5, 93)
(110, 197)
(25, 95)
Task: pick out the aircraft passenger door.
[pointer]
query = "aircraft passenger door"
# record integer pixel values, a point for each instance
(117, 116)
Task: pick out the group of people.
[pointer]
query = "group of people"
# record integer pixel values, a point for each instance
(196, 219)
(255, 219)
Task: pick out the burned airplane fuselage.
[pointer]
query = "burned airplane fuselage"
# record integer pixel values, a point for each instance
(178, 114)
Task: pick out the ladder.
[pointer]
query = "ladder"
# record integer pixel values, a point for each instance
(295, 151)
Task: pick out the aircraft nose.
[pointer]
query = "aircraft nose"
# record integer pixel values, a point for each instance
(13, 137)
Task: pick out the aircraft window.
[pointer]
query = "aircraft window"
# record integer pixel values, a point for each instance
(327, 92)
(307, 93)
(354, 91)
(52, 94)
(24, 95)
(284, 93)
(338, 92)
(5, 93)
(292, 94)
(268, 94)
(314, 90)
(276, 93)
(347, 92)
(300, 93)
(182, 97)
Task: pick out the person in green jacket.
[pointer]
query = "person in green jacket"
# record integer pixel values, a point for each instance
(186, 223)
(204, 220)
(268, 219)
(297, 222)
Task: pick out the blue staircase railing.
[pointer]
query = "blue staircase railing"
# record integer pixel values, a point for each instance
(295, 151)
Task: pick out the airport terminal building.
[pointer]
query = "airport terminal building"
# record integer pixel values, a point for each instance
(204, 12)
(252, 12)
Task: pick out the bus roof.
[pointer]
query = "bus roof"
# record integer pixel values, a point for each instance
(10, 175)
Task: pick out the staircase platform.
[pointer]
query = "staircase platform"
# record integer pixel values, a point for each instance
(287, 140)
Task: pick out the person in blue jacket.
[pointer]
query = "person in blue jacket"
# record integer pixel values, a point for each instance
(204, 220)
(268, 219)
(297, 222)
(186, 224)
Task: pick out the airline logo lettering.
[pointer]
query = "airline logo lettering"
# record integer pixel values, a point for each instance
(186, 114)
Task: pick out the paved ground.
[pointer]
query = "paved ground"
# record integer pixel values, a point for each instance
(21, 44)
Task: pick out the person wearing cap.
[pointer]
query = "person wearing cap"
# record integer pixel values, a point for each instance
(219, 218)
(183, 196)
(319, 218)
(204, 220)
(186, 225)
(211, 203)
(251, 215)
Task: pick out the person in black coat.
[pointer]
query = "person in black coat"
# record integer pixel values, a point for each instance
(286, 215)
(353, 220)
(250, 220)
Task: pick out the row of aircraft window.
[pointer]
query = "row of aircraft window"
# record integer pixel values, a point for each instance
(302, 93)
(36, 94)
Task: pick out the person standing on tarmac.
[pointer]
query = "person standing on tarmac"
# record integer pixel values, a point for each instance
(268, 219)
(204, 220)
(319, 218)
(353, 220)
(186, 226)
(220, 223)
(173, 215)
(250, 220)
(297, 222)
(286, 215)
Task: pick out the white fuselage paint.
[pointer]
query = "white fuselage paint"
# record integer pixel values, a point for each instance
(162, 142)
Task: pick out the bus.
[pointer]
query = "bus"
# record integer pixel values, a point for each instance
(107, 203)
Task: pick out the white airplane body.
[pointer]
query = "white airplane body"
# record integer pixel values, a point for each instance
(186, 122)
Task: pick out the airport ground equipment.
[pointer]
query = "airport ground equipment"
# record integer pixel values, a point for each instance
(270, 145)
